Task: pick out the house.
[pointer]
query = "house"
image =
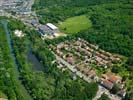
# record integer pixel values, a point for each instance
(85, 71)
(19, 33)
(59, 53)
(92, 74)
(107, 84)
(122, 93)
(115, 59)
(70, 59)
(112, 78)
(80, 67)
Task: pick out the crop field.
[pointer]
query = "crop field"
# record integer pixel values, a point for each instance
(75, 24)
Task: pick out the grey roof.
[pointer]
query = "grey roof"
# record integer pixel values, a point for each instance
(34, 21)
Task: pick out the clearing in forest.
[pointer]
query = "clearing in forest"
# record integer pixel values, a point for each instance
(75, 24)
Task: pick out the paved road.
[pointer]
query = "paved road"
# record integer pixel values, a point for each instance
(73, 69)
(101, 89)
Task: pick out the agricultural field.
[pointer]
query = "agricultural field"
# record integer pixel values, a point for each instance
(75, 24)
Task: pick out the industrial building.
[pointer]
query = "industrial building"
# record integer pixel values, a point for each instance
(48, 29)
(52, 27)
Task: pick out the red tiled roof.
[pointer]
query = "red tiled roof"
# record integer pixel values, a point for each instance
(113, 78)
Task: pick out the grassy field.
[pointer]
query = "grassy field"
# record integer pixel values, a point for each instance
(75, 24)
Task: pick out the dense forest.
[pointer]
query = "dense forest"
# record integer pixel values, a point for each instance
(58, 10)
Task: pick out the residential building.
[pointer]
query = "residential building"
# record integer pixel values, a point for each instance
(112, 78)
(122, 93)
(107, 84)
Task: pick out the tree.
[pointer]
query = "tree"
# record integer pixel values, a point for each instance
(115, 69)
(115, 89)
(2, 95)
(104, 97)
(130, 63)
(129, 95)
(91, 90)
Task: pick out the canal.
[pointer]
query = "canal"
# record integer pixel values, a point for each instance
(25, 94)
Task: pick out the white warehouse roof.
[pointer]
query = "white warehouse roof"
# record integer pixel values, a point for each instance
(53, 27)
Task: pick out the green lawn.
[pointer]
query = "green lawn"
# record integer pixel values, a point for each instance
(75, 24)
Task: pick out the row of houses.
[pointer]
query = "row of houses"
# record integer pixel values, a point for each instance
(89, 51)
(87, 71)
(103, 54)
(85, 51)
(101, 57)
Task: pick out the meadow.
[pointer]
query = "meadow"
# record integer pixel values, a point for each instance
(75, 24)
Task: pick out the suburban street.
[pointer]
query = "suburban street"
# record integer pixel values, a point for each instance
(101, 89)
